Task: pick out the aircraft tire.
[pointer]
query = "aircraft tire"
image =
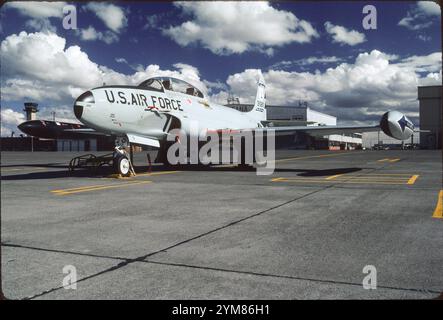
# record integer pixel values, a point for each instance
(122, 166)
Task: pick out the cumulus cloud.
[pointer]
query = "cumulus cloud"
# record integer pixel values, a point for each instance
(62, 113)
(38, 9)
(429, 8)
(431, 79)
(114, 17)
(411, 22)
(152, 22)
(121, 60)
(423, 37)
(428, 63)
(285, 64)
(91, 34)
(135, 67)
(214, 86)
(236, 27)
(344, 36)
(39, 12)
(54, 65)
(354, 92)
(18, 89)
(62, 73)
(9, 120)
(421, 16)
(41, 25)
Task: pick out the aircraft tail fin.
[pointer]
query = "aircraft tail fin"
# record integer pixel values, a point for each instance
(259, 110)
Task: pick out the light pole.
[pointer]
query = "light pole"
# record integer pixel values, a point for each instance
(378, 141)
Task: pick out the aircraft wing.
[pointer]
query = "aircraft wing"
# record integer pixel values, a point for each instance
(320, 130)
(63, 130)
(57, 130)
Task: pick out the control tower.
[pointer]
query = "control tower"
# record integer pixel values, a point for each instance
(31, 110)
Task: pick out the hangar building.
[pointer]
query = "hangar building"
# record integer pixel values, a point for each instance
(303, 115)
(429, 98)
(372, 139)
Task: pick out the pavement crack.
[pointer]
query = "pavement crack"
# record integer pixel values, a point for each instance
(11, 245)
(263, 274)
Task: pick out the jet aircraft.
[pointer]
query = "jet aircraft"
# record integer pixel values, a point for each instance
(146, 114)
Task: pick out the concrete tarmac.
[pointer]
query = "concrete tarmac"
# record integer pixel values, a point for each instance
(305, 232)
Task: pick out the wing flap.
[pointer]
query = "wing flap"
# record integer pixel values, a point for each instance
(146, 141)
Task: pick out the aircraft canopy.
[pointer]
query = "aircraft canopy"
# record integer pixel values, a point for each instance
(171, 84)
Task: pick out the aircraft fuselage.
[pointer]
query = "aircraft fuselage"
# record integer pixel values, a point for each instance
(119, 110)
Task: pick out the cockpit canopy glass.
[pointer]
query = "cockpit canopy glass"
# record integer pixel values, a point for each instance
(151, 84)
(171, 84)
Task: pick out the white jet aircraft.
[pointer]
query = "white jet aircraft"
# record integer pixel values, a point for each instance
(146, 114)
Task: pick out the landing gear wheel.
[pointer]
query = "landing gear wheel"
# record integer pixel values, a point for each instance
(122, 166)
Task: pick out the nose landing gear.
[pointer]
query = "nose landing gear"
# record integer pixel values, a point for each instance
(122, 161)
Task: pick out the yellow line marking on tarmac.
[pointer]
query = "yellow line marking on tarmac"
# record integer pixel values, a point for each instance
(413, 179)
(97, 187)
(374, 180)
(156, 173)
(389, 160)
(398, 177)
(388, 174)
(362, 180)
(224, 166)
(438, 212)
(282, 179)
(395, 179)
(336, 181)
(290, 159)
(277, 179)
(118, 176)
(23, 169)
(318, 156)
(333, 177)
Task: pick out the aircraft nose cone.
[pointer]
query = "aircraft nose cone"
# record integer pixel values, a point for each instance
(85, 98)
(35, 128)
(28, 127)
(23, 127)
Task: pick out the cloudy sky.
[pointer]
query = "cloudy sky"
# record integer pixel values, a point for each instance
(315, 52)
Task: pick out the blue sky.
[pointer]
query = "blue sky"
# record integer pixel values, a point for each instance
(313, 51)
